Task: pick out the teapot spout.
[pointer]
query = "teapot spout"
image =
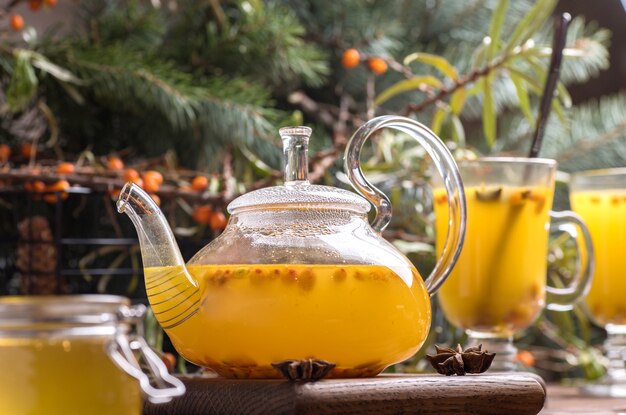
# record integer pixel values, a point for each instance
(157, 242)
(172, 292)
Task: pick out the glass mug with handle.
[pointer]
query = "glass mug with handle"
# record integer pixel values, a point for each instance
(599, 196)
(499, 284)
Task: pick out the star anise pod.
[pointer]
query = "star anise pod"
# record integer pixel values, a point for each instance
(306, 370)
(457, 361)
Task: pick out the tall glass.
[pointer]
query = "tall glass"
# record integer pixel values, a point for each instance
(499, 286)
(599, 196)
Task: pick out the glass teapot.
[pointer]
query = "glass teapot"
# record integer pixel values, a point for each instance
(298, 282)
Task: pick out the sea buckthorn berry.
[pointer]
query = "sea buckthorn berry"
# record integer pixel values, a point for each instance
(59, 186)
(35, 5)
(169, 360)
(152, 180)
(218, 221)
(17, 22)
(130, 175)
(149, 185)
(115, 193)
(50, 3)
(377, 65)
(537, 197)
(66, 168)
(36, 186)
(200, 183)
(350, 58)
(27, 149)
(5, 153)
(518, 198)
(340, 275)
(115, 164)
(526, 358)
(202, 215)
(306, 279)
(39, 186)
(156, 199)
(153, 175)
(442, 198)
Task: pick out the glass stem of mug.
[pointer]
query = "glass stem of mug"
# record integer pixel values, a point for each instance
(503, 347)
(614, 383)
(615, 346)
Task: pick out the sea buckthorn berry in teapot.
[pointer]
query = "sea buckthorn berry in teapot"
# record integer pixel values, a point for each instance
(299, 282)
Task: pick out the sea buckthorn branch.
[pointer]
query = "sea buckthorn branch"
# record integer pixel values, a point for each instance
(6, 9)
(469, 78)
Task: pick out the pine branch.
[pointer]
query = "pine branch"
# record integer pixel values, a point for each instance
(263, 40)
(137, 24)
(225, 108)
(597, 129)
(593, 143)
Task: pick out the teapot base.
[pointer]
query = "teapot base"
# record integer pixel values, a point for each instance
(270, 372)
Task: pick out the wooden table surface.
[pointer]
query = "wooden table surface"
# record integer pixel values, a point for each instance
(420, 394)
(568, 400)
(497, 394)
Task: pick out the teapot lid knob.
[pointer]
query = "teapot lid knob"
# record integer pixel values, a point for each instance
(295, 154)
(297, 192)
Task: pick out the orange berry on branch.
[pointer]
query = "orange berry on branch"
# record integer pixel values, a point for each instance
(377, 65)
(17, 22)
(115, 163)
(156, 199)
(59, 186)
(218, 221)
(115, 193)
(50, 3)
(149, 185)
(27, 149)
(526, 358)
(200, 183)
(66, 168)
(202, 215)
(35, 187)
(38, 186)
(35, 5)
(5, 153)
(153, 175)
(152, 180)
(130, 175)
(169, 360)
(350, 58)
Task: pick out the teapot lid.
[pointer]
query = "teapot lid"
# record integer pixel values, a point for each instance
(297, 192)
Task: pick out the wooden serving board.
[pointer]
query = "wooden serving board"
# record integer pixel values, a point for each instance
(519, 393)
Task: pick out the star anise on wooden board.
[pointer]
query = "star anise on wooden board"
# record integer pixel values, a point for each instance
(304, 370)
(457, 361)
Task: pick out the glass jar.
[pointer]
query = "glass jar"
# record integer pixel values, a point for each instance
(79, 354)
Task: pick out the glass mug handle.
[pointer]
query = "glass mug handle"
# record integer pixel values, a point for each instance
(563, 299)
(445, 165)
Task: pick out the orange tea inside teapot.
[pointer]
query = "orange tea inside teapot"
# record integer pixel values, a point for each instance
(251, 316)
(298, 277)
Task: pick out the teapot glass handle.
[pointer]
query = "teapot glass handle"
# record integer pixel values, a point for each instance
(445, 165)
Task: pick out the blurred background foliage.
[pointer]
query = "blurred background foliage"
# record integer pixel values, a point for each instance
(191, 81)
